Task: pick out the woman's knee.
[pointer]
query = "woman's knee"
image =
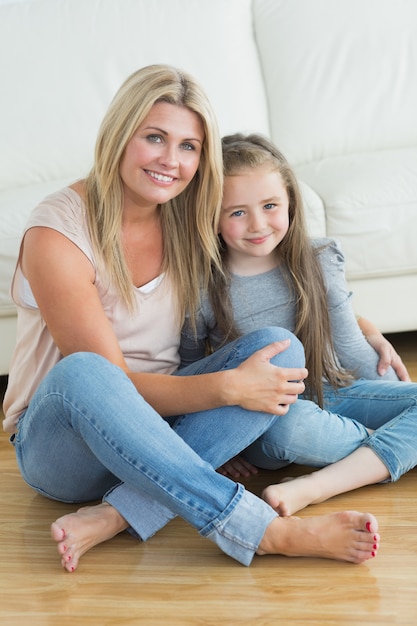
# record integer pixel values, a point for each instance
(81, 364)
(80, 360)
(84, 372)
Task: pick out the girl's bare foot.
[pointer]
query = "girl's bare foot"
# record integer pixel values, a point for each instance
(344, 475)
(78, 532)
(293, 494)
(345, 536)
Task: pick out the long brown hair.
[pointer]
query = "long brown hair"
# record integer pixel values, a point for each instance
(189, 221)
(297, 255)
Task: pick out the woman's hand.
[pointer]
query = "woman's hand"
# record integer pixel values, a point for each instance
(258, 385)
(388, 356)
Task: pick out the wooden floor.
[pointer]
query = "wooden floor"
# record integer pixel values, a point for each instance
(178, 578)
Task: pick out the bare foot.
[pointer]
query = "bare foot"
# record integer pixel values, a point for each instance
(292, 494)
(78, 532)
(345, 536)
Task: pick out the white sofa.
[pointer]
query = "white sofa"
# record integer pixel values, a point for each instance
(333, 82)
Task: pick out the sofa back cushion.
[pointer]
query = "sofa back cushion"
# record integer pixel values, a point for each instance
(63, 60)
(341, 75)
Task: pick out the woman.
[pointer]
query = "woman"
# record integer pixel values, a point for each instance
(107, 269)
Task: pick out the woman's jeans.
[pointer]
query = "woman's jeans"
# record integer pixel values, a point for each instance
(87, 431)
(307, 435)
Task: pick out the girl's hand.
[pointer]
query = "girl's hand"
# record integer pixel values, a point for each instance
(237, 467)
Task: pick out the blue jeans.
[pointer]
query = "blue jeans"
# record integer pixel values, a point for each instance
(308, 435)
(87, 430)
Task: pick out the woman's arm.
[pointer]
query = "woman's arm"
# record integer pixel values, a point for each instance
(386, 351)
(62, 280)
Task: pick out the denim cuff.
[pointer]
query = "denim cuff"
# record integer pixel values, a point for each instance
(240, 528)
(144, 520)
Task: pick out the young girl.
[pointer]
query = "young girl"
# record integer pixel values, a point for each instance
(274, 275)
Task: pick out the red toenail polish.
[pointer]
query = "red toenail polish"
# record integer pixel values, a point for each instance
(375, 546)
(69, 557)
(375, 538)
(65, 548)
(368, 526)
(72, 569)
(373, 553)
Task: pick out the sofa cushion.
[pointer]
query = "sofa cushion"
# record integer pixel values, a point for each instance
(341, 75)
(15, 206)
(371, 207)
(313, 210)
(67, 58)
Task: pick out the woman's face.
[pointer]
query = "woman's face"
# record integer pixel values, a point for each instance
(163, 155)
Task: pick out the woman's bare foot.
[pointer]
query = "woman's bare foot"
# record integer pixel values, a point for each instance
(292, 494)
(78, 532)
(345, 536)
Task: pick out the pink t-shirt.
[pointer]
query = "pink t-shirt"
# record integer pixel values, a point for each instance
(149, 337)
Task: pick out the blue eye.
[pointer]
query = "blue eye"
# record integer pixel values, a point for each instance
(270, 205)
(237, 213)
(187, 146)
(154, 138)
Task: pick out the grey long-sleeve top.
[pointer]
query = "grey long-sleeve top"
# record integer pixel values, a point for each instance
(265, 300)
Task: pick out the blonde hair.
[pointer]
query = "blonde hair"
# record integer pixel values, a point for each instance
(189, 221)
(298, 256)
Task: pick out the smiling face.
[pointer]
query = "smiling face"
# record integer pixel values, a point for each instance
(254, 219)
(162, 156)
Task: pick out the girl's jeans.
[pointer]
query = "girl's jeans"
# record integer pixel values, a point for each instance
(87, 430)
(307, 435)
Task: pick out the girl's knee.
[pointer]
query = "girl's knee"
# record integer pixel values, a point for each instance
(292, 356)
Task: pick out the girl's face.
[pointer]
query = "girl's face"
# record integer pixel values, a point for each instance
(163, 155)
(254, 219)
